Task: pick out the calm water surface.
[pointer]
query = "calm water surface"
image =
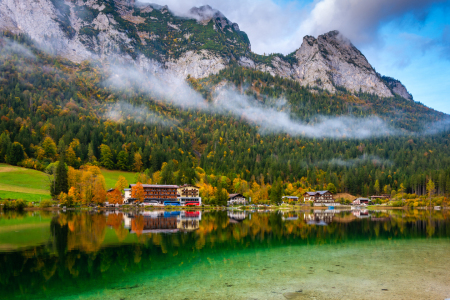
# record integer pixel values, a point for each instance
(225, 255)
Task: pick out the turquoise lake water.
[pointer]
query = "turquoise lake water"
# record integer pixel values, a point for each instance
(226, 255)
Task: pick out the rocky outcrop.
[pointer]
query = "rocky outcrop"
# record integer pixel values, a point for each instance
(328, 62)
(197, 64)
(397, 87)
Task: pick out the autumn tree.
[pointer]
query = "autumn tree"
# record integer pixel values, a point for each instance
(331, 188)
(106, 157)
(99, 192)
(121, 184)
(115, 197)
(377, 187)
(402, 190)
(50, 149)
(137, 162)
(137, 191)
(430, 189)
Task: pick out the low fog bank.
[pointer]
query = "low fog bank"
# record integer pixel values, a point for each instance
(167, 87)
(121, 111)
(354, 162)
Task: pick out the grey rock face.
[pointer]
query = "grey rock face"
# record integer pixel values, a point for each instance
(398, 88)
(327, 62)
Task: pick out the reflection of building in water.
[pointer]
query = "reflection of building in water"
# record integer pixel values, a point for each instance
(289, 216)
(189, 220)
(323, 217)
(164, 222)
(237, 216)
(362, 213)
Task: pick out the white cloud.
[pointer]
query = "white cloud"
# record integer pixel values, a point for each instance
(274, 27)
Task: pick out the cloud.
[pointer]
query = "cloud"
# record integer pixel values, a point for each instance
(268, 24)
(352, 162)
(227, 100)
(9, 47)
(361, 20)
(437, 127)
(274, 27)
(270, 120)
(121, 111)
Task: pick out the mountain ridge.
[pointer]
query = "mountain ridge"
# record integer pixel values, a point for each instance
(198, 45)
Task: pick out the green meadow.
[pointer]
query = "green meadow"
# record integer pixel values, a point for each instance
(32, 185)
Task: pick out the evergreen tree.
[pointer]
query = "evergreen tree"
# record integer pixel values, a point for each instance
(122, 161)
(5, 143)
(276, 192)
(61, 178)
(16, 154)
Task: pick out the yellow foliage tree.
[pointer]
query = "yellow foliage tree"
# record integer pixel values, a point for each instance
(121, 184)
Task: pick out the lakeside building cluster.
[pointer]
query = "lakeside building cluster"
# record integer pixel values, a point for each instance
(189, 195)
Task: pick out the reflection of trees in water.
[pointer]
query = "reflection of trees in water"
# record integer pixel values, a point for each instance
(74, 257)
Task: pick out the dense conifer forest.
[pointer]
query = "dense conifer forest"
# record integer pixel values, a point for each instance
(50, 106)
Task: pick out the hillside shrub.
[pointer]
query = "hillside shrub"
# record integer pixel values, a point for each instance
(18, 205)
(46, 204)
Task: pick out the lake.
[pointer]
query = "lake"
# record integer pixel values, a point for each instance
(361, 254)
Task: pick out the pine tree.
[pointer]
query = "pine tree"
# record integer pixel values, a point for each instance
(61, 180)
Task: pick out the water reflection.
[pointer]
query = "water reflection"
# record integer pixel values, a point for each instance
(83, 250)
(161, 221)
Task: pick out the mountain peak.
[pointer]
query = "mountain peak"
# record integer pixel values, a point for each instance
(206, 13)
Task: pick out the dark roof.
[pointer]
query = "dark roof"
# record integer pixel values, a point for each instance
(234, 195)
(158, 186)
(317, 192)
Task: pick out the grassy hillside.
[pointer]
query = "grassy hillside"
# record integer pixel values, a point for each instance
(21, 183)
(32, 185)
(111, 177)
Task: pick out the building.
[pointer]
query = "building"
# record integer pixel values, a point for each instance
(127, 198)
(236, 199)
(155, 192)
(189, 194)
(361, 201)
(319, 197)
(289, 198)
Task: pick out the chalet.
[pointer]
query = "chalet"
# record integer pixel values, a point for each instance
(361, 201)
(319, 197)
(189, 194)
(236, 199)
(154, 192)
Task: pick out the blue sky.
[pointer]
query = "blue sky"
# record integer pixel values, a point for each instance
(405, 39)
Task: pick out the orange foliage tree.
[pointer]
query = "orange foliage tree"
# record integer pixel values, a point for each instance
(137, 192)
(98, 191)
(115, 197)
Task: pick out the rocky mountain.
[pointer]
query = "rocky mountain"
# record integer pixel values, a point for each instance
(199, 44)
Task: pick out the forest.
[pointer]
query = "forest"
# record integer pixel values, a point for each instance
(50, 106)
